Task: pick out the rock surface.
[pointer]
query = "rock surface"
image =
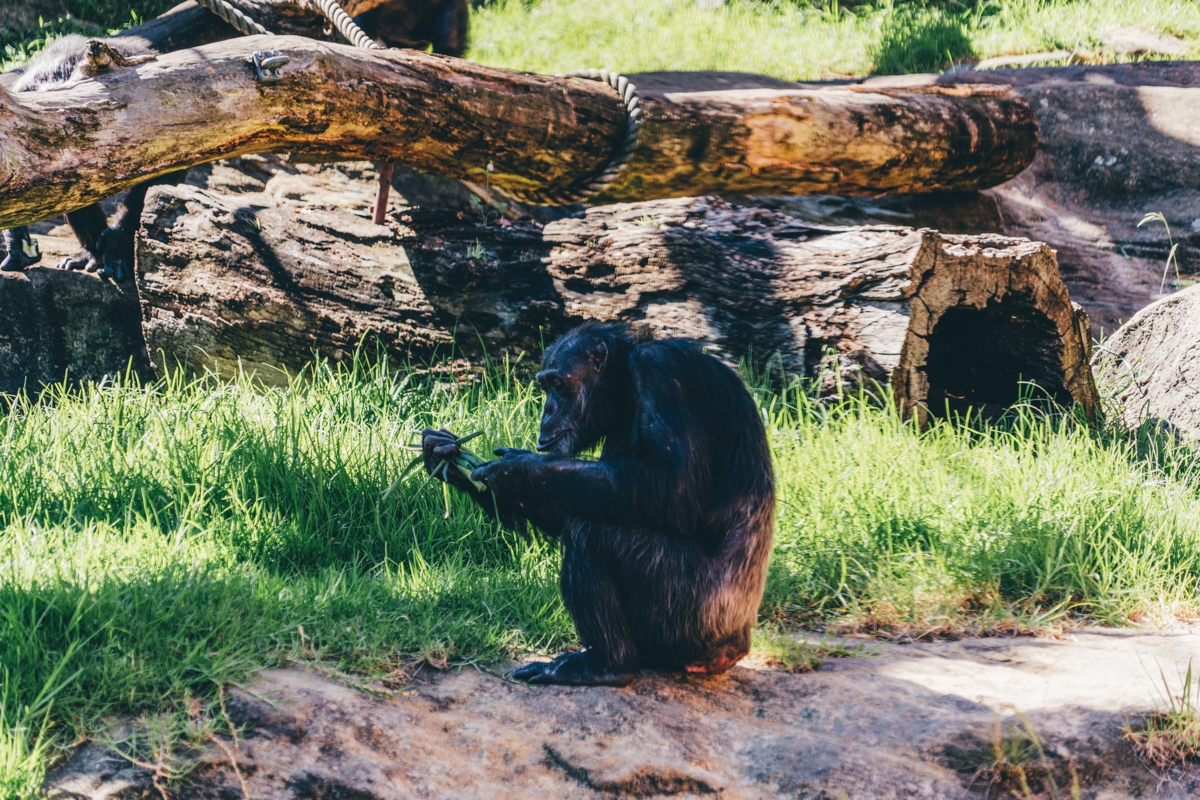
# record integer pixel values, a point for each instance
(1154, 362)
(66, 324)
(903, 721)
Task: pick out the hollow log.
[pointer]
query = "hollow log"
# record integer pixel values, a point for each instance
(949, 320)
(81, 142)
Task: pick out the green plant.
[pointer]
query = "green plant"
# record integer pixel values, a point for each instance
(921, 40)
(1172, 259)
(1170, 737)
(1012, 762)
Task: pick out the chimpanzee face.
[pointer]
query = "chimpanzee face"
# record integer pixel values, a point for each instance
(570, 377)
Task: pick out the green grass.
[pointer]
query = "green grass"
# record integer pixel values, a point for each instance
(793, 39)
(159, 542)
(804, 41)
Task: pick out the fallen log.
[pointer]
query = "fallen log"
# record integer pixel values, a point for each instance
(64, 149)
(950, 321)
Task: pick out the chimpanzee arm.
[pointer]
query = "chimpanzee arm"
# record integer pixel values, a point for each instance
(439, 446)
(615, 491)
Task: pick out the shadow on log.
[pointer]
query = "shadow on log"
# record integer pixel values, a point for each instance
(950, 320)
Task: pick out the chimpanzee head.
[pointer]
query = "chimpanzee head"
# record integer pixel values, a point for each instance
(585, 376)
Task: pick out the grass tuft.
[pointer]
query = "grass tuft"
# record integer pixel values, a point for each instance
(1170, 737)
(920, 40)
(1012, 762)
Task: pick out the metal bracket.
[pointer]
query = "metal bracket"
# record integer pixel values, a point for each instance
(267, 65)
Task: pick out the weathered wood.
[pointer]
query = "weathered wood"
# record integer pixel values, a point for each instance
(1153, 364)
(66, 148)
(947, 319)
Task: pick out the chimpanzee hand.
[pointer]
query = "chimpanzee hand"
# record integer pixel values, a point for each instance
(439, 446)
(506, 474)
(116, 254)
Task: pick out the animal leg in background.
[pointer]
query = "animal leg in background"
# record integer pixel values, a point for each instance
(110, 248)
(20, 250)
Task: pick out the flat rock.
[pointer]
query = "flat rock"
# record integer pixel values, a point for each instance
(1129, 40)
(902, 721)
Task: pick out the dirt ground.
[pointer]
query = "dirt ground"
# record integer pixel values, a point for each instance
(901, 721)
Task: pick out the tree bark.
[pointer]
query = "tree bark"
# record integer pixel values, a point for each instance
(948, 320)
(1153, 361)
(64, 149)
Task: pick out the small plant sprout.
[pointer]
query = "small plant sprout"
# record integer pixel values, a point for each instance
(465, 462)
(1172, 257)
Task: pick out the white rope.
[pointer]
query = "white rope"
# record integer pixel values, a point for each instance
(347, 27)
(240, 22)
(332, 10)
(633, 131)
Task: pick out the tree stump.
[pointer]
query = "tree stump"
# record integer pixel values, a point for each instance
(950, 321)
(1153, 362)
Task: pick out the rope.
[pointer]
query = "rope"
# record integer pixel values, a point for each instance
(240, 22)
(633, 130)
(347, 27)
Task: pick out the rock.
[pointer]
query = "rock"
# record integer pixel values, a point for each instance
(67, 324)
(1154, 361)
(905, 721)
(1117, 141)
(1128, 40)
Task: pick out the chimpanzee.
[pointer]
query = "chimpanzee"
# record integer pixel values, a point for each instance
(398, 23)
(666, 537)
(419, 24)
(108, 249)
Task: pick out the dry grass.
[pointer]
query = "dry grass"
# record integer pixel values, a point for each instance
(1170, 738)
(1013, 763)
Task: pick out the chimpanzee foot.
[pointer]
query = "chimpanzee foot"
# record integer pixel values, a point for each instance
(84, 260)
(116, 248)
(21, 248)
(575, 669)
(531, 670)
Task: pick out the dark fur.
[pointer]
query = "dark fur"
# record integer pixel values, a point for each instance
(666, 537)
(419, 24)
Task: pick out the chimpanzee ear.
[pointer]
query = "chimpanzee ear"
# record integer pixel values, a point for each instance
(598, 356)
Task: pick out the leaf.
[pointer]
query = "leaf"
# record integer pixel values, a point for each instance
(411, 465)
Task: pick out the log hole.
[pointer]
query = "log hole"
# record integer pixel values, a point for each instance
(983, 359)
